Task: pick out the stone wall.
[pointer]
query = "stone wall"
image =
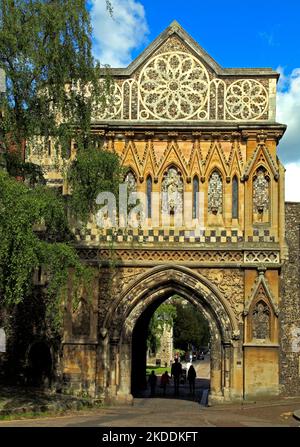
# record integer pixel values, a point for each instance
(290, 306)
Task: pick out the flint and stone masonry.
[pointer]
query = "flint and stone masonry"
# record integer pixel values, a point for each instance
(290, 306)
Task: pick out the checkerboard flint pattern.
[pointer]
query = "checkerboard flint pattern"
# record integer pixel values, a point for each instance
(171, 235)
(160, 235)
(261, 235)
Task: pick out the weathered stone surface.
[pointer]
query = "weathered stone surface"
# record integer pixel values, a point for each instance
(290, 306)
(227, 263)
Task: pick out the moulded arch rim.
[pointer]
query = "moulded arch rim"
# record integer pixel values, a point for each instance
(178, 166)
(135, 288)
(261, 165)
(196, 175)
(129, 168)
(208, 313)
(216, 168)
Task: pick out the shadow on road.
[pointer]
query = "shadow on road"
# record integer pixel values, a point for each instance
(200, 395)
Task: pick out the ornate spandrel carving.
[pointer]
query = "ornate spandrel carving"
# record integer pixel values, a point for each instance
(172, 192)
(261, 321)
(215, 194)
(261, 195)
(231, 285)
(82, 319)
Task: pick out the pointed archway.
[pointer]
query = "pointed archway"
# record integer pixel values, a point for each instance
(149, 291)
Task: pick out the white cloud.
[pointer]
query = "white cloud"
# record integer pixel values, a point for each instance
(116, 36)
(292, 182)
(288, 112)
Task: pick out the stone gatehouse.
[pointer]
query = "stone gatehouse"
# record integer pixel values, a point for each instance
(207, 138)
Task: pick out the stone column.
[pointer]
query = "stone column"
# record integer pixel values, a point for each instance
(124, 389)
(113, 373)
(215, 370)
(102, 364)
(227, 362)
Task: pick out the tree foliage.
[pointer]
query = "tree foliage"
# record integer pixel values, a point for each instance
(23, 212)
(52, 78)
(93, 171)
(52, 85)
(190, 327)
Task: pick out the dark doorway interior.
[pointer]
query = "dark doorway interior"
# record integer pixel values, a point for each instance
(139, 359)
(39, 365)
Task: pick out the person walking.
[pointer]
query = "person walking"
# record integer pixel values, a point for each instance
(152, 382)
(164, 381)
(176, 372)
(191, 378)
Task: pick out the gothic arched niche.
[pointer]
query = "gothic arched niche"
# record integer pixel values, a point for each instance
(81, 320)
(172, 191)
(196, 197)
(215, 193)
(149, 196)
(235, 198)
(261, 324)
(130, 179)
(261, 196)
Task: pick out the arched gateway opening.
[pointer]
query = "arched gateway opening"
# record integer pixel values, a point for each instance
(170, 338)
(135, 307)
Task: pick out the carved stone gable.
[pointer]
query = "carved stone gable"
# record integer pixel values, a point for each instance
(175, 79)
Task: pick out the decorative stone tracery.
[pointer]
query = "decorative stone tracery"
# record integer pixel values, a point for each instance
(111, 104)
(81, 319)
(174, 86)
(246, 99)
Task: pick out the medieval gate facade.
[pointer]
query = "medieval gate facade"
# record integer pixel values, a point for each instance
(183, 125)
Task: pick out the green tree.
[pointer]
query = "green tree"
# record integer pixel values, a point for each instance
(93, 171)
(52, 78)
(52, 85)
(23, 212)
(190, 327)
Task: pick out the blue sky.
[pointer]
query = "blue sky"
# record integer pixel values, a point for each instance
(235, 33)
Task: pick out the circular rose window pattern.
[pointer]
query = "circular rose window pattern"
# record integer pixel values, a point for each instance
(246, 99)
(174, 86)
